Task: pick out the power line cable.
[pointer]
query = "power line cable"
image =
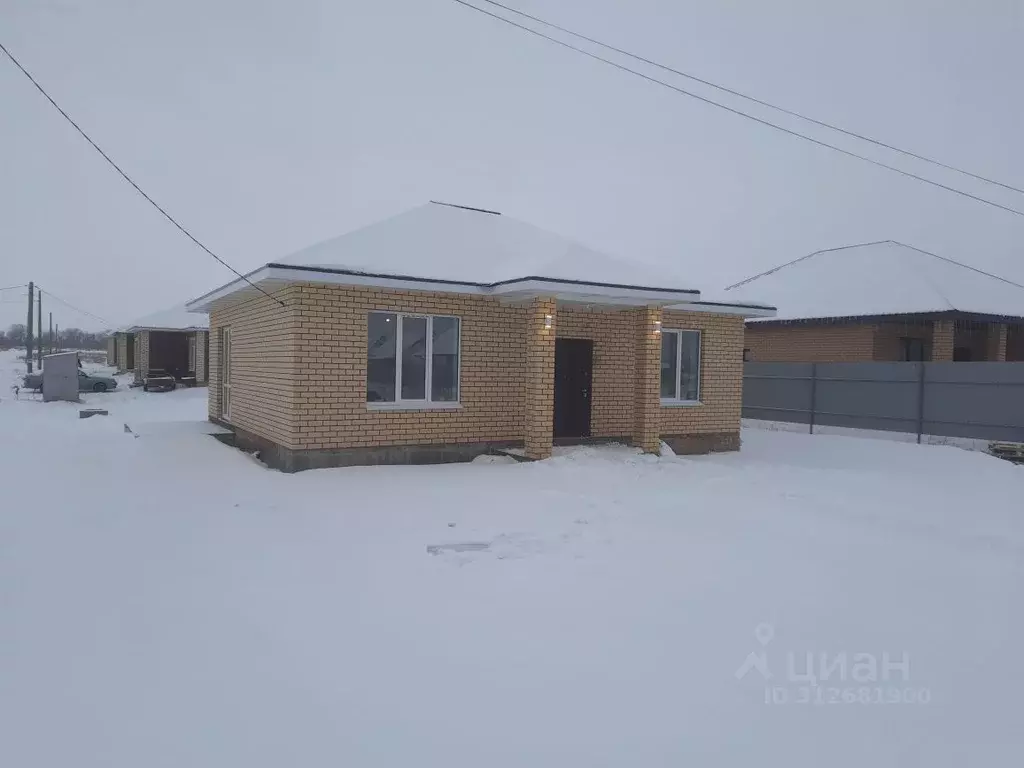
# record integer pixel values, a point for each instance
(740, 112)
(958, 263)
(77, 309)
(127, 178)
(14, 287)
(753, 99)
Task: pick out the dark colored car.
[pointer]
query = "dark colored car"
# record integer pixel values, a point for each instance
(158, 380)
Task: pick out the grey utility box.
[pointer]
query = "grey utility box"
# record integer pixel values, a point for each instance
(60, 377)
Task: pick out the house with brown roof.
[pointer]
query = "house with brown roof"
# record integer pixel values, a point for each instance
(446, 332)
(883, 301)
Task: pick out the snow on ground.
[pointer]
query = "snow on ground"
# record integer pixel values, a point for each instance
(165, 601)
(967, 443)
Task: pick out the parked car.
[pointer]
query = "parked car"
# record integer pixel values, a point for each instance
(158, 380)
(87, 382)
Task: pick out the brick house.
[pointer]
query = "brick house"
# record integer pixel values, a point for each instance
(445, 332)
(174, 340)
(883, 301)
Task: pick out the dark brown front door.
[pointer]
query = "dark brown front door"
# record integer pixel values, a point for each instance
(574, 368)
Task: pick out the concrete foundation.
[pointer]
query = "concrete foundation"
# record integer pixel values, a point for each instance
(705, 442)
(285, 459)
(288, 460)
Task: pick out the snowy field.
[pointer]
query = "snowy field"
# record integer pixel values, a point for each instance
(166, 601)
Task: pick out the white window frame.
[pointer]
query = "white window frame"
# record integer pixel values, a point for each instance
(225, 372)
(399, 403)
(679, 366)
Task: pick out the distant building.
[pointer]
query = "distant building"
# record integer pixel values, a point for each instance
(883, 301)
(174, 340)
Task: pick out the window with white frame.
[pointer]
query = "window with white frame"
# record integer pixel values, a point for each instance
(412, 359)
(680, 366)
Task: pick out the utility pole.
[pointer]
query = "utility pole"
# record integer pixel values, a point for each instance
(28, 327)
(57, 331)
(39, 327)
(51, 333)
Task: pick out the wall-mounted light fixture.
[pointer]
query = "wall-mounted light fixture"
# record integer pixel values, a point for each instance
(657, 326)
(548, 320)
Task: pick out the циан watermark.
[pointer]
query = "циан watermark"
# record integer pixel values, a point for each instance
(820, 677)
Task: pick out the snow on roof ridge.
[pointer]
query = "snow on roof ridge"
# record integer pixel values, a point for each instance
(173, 318)
(864, 245)
(803, 258)
(957, 263)
(882, 278)
(433, 241)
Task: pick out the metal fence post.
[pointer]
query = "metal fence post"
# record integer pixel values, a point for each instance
(814, 394)
(920, 401)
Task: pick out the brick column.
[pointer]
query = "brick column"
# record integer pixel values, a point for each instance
(995, 342)
(141, 355)
(122, 352)
(647, 384)
(201, 343)
(942, 341)
(540, 378)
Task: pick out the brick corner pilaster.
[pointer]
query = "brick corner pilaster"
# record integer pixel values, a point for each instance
(942, 341)
(647, 406)
(540, 377)
(141, 355)
(995, 347)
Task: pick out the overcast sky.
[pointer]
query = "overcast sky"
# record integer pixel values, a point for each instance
(267, 126)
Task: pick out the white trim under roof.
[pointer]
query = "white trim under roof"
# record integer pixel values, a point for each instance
(746, 310)
(512, 290)
(189, 329)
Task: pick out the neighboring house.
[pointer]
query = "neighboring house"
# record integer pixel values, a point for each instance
(444, 332)
(174, 340)
(883, 301)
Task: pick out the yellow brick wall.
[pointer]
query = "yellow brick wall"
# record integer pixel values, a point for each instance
(826, 343)
(122, 352)
(331, 408)
(888, 347)
(995, 342)
(1015, 343)
(612, 388)
(540, 377)
(943, 341)
(141, 355)
(647, 422)
(299, 373)
(721, 379)
(265, 372)
(201, 342)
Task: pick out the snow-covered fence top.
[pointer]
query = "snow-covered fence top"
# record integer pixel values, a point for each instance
(976, 400)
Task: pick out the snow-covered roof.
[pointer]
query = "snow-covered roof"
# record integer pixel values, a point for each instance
(439, 246)
(174, 319)
(441, 241)
(881, 278)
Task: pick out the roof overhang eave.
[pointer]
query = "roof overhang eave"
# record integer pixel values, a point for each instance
(510, 290)
(920, 315)
(748, 311)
